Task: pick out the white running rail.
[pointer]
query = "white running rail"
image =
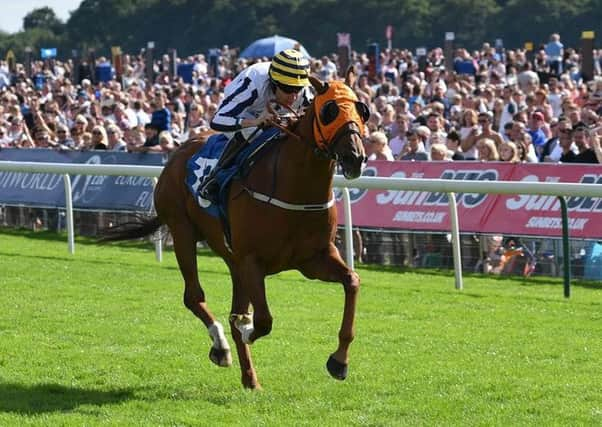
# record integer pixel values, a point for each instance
(376, 183)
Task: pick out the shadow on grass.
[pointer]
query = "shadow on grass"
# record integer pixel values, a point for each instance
(112, 262)
(205, 252)
(52, 236)
(42, 398)
(528, 281)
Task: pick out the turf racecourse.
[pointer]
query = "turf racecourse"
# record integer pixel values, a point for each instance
(102, 338)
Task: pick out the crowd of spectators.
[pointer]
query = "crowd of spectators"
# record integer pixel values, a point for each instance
(495, 105)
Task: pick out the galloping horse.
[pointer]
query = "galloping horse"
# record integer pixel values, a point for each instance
(282, 216)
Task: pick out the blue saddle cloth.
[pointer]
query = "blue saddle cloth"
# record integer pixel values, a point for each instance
(201, 163)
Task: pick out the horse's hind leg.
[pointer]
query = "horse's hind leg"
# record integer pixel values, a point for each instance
(194, 297)
(240, 313)
(329, 266)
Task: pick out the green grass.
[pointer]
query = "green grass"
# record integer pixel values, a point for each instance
(102, 338)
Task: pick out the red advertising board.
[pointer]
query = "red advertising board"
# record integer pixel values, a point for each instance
(485, 213)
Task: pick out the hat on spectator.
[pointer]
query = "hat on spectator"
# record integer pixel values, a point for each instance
(537, 116)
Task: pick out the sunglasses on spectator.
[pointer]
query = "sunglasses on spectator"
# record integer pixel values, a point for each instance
(564, 131)
(96, 132)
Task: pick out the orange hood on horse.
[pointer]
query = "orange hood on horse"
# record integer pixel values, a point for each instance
(346, 100)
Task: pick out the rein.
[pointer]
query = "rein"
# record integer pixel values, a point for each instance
(278, 125)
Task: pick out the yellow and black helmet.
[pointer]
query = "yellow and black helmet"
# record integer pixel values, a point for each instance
(290, 68)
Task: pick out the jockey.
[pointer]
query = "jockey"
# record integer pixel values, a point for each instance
(244, 107)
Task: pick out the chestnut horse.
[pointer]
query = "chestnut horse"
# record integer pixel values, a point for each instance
(282, 216)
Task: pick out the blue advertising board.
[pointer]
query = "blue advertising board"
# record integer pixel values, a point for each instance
(112, 193)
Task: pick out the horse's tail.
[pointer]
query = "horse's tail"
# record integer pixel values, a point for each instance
(137, 229)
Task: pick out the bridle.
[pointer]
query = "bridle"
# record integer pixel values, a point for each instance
(325, 149)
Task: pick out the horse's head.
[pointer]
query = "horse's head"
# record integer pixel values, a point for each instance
(339, 125)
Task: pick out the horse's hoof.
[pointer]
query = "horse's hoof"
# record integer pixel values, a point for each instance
(221, 357)
(253, 386)
(336, 369)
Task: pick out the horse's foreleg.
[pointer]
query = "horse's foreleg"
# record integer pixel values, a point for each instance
(329, 266)
(194, 297)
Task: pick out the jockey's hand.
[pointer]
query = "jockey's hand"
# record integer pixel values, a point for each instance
(266, 118)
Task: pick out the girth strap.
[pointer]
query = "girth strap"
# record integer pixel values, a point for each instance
(290, 206)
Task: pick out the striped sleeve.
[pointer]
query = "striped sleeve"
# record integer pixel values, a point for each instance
(240, 97)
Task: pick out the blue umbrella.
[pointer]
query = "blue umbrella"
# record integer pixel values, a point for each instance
(270, 46)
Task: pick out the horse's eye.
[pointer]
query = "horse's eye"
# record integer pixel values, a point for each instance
(329, 112)
(363, 111)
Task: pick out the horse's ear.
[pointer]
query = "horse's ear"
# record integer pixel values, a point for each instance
(350, 76)
(320, 86)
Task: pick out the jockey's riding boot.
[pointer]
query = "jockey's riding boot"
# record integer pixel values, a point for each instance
(210, 187)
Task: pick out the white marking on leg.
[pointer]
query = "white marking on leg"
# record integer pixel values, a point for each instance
(244, 324)
(216, 332)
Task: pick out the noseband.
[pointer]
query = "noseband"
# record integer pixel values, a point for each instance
(327, 151)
